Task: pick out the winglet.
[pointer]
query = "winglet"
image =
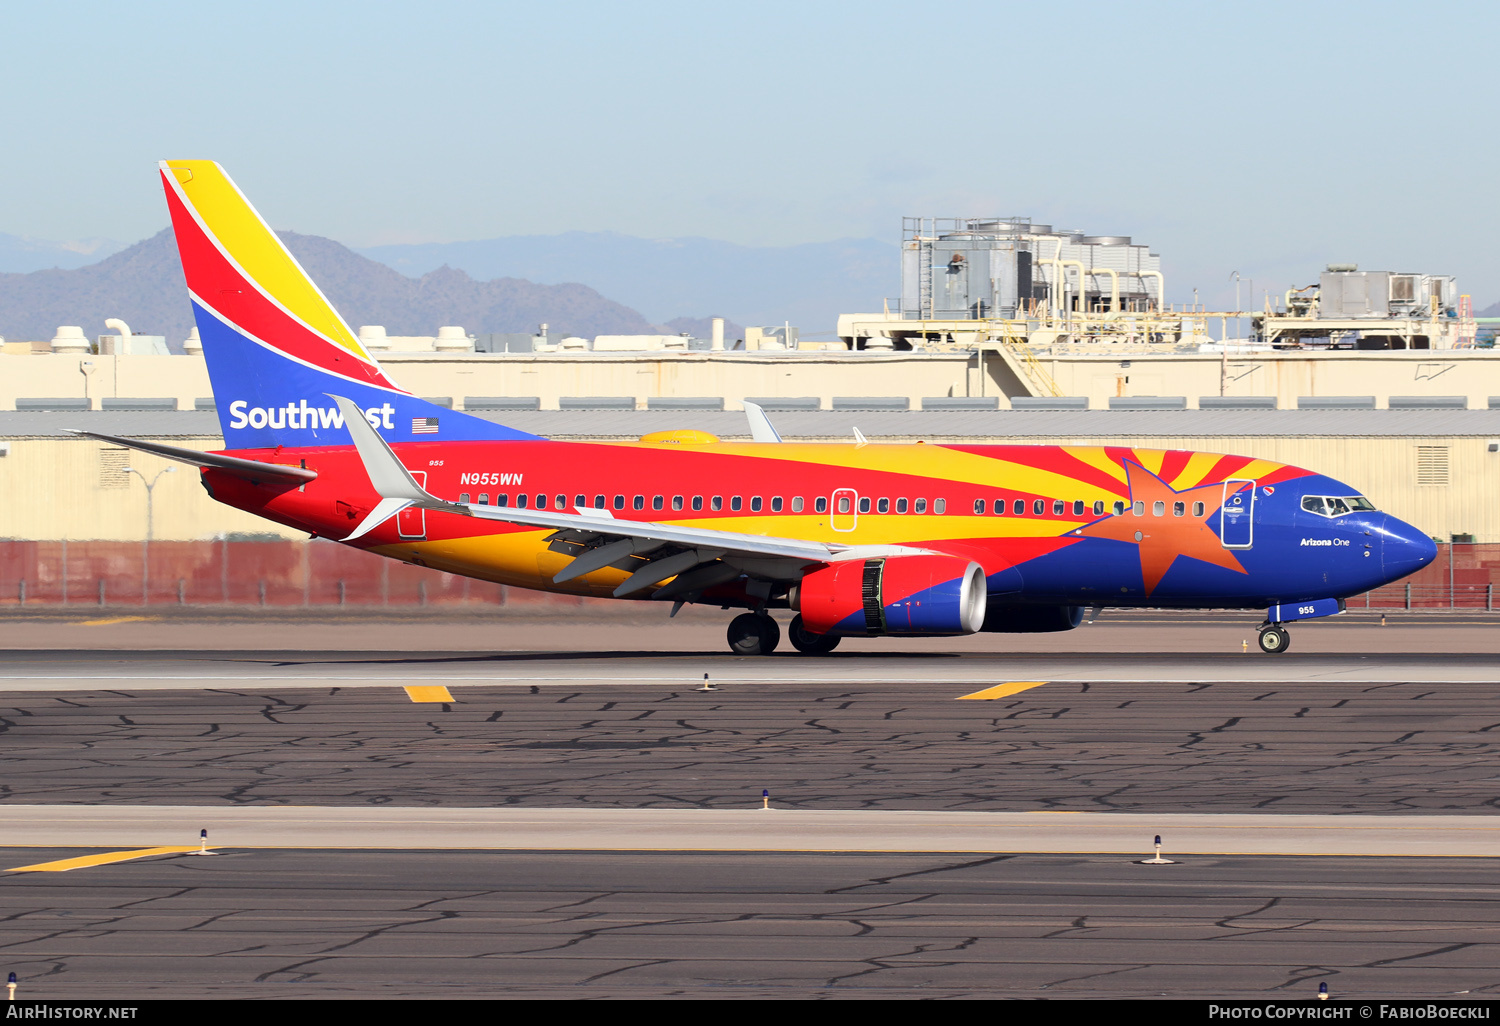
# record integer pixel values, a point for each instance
(761, 429)
(391, 479)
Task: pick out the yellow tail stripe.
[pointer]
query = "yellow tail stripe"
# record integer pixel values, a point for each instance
(83, 862)
(250, 242)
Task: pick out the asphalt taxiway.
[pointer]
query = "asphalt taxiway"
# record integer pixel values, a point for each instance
(538, 822)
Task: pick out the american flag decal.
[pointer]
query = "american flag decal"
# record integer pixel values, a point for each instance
(424, 425)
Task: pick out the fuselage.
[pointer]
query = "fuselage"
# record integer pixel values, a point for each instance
(1062, 525)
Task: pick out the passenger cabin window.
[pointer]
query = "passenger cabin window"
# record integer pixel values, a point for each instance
(656, 502)
(1119, 507)
(864, 505)
(1179, 509)
(562, 502)
(884, 505)
(676, 502)
(735, 503)
(796, 504)
(716, 503)
(521, 498)
(1039, 507)
(1139, 508)
(502, 500)
(541, 502)
(484, 498)
(697, 502)
(900, 505)
(755, 504)
(464, 497)
(1158, 508)
(1099, 507)
(1197, 509)
(579, 501)
(939, 506)
(1019, 509)
(844, 506)
(775, 504)
(999, 507)
(920, 506)
(979, 507)
(598, 502)
(820, 504)
(639, 502)
(619, 502)
(1058, 507)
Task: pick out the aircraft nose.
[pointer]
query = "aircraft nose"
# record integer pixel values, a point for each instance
(1404, 549)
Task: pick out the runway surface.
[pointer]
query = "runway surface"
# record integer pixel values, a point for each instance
(907, 852)
(395, 924)
(1161, 736)
(150, 827)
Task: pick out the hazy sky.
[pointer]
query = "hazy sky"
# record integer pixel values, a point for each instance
(1266, 138)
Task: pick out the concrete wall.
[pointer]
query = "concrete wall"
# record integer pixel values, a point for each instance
(1286, 375)
(733, 376)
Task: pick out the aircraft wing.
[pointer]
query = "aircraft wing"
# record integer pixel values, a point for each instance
(595, 537)
(250, 470)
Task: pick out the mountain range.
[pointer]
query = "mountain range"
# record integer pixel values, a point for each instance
(143, 285)
(808, 285)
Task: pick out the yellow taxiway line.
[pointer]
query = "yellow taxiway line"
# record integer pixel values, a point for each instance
(428, 694)
(104, 859)
(1014, 687)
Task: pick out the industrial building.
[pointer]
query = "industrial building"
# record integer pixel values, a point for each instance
(956, 268)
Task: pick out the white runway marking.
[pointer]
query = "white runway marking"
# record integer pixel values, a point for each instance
(575, 829)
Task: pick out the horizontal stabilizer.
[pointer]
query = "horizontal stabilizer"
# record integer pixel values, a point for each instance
(250, 470)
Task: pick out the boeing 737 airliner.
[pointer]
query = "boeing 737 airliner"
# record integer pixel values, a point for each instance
(854, 539)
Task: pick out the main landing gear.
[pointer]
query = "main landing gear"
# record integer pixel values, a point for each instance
(757, 634)
(808, 643)
(753, 634)
(1274, 638)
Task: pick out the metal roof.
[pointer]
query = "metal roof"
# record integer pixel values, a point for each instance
(978, 425)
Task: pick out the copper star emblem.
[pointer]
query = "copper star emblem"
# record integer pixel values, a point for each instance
(1161, 539)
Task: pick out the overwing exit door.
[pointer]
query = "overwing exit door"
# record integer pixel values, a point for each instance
(844, 513)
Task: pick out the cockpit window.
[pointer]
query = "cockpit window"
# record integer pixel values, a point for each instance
(1336, 505)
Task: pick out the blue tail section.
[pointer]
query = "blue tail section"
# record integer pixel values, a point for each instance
(266, 398)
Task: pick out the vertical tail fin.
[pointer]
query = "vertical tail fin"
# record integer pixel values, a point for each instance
(275, 346)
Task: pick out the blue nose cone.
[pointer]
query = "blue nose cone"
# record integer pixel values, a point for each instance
(1404, 549)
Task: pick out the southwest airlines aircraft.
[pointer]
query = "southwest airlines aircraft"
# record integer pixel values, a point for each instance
(855, 539)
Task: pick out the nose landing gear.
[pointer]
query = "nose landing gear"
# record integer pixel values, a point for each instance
(753, 634)
(1274, 638)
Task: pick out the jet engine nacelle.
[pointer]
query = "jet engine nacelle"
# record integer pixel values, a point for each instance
(1031, 619)
(931, 595)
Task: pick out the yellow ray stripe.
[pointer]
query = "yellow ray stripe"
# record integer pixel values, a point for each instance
(1257, 468)
(1014, 687)
(1199, 464)
(429, 694)
(1150, 459)
(251, 244)
(1096, 457)
(83, 862)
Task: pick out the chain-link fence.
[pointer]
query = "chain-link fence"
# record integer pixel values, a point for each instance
(321, 573)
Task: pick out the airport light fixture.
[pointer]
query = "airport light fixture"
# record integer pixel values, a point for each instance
(150, 487)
